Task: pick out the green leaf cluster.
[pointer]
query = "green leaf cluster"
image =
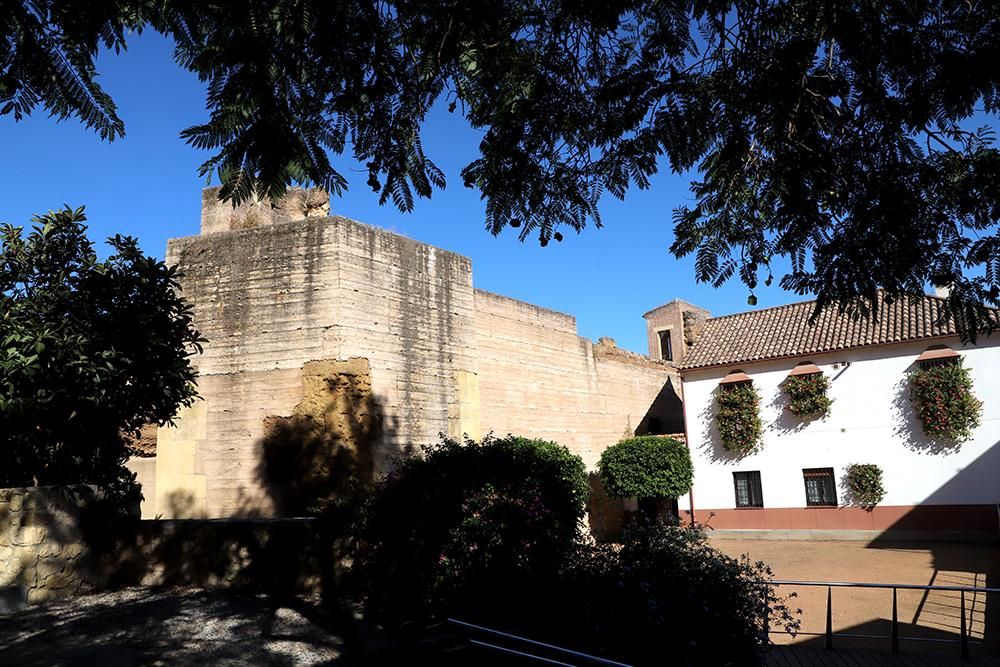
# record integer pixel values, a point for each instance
(467, 524)
(807, 395)
(646, 467)
(90, 351)
(737, 418)
(832, 137)
(864, 482)
(666, 586)
(944, 401)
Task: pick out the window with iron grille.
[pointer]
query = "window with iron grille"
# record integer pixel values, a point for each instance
(821, 488)
(748, 491)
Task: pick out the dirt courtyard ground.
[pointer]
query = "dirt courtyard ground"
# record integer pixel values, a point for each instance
(933, 615)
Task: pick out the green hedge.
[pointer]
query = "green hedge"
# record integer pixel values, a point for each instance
(666, 597)
(470, 527)
(646, 467)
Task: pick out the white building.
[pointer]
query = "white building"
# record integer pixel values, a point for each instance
(930, 485)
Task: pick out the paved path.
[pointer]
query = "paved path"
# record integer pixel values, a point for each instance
(929, 615)
(140, 626)
(801, 656)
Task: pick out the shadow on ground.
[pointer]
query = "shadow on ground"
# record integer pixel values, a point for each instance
(178, 626)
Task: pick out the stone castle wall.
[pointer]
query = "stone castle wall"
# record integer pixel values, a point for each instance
(438, 356)
(271, 300)
(537, 377)
(42, 551)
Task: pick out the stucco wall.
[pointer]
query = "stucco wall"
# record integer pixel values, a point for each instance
(871, 421)
(538, 378)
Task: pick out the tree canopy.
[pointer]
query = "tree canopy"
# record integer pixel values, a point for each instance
(853, 139)
(90, 351)
(646, 467)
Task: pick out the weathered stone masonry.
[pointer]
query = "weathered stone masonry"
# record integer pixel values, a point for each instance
(42, 550)
(286, 289)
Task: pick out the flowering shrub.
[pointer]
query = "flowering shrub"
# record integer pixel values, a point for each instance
(807, 395)
(666, 596)
(646, 467)
(864, 481)
(738, 418)
(471, 528)
(944, 401)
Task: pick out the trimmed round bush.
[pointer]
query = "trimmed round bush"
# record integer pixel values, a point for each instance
(470, 528)
(646, 467)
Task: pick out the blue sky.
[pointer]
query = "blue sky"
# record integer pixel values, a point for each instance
(146, 185)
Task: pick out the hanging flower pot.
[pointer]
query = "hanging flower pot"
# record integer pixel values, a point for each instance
(738, 418)
(807, 395)
(944, 402)
(864, 482)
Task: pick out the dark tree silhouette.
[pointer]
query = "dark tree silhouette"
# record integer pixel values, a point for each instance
(853, 138)
(90, 351)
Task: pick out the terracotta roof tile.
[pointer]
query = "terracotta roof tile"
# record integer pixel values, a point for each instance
(785, 331)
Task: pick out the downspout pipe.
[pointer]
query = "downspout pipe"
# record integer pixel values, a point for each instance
(687, 443)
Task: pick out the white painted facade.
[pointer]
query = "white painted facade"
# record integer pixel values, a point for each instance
(871, 421)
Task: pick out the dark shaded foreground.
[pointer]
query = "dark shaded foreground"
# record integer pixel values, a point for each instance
(176, 626)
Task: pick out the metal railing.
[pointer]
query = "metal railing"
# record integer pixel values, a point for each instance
(893, 637)
(531, 649)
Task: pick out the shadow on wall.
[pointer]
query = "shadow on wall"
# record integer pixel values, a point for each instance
(331, 446)
(712, 442)
(949, 508)
(788, 422)
(665, 415)
(319, 462)
(606, 515)
(278, 557)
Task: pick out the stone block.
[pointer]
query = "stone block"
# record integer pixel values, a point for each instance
(39, 595)
(37, 517)
(29, 535)
(19, 568)
(60, 581)
(34, 499)
(71, 550)
(50, 548)
(46, 567)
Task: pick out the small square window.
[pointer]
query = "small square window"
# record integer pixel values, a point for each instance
(748, 491)
(821, 487)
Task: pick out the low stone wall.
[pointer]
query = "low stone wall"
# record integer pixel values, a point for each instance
(276, 556)
(60, 541)
(42, 550)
